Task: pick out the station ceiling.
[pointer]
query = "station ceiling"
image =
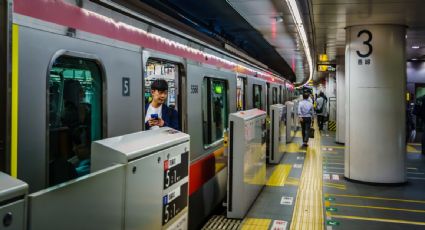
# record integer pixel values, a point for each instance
(219, 20)
(265, 29)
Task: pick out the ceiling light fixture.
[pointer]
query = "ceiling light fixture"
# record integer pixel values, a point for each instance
(292, 4)
(415, 47)
(414, 59)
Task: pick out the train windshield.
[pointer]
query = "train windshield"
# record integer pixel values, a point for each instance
(75, 116)
(214, 109)
(257, 96)
(240, 93)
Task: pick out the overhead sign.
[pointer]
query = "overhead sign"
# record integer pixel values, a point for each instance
(326, 67)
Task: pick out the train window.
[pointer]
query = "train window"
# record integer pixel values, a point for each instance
(214, 109)
(257, 102)
(240, 93)
(75, 116)
(158, 69)
(274, 96)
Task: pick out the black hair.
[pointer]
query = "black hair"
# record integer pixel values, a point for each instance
(321, 94)
(305, 95)
(159, 84)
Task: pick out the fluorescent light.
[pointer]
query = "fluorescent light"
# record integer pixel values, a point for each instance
(415, 47)
(292, 4)
(414, 59)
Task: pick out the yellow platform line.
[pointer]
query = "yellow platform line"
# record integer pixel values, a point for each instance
(294, 148)
(416, 144)
(378, 219)
(255, 223)
(335, 185)
(308, 209)
(279, 175)
(374, 198)
(378, 207)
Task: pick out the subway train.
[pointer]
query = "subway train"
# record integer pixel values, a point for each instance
(81, 71)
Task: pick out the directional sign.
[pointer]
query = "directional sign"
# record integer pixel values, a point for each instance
(331, 209)
(279, 225)
(298, 166)
(287, 200)
(329, 198)
(326, 176)
(332, 222)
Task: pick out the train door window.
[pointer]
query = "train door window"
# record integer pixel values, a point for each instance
(274, 96)
(159, 69)
(214, 109)
(256, 99)
(240, 93)
(75, 116)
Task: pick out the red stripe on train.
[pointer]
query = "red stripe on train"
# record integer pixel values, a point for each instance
(65, 14)
(200, 172)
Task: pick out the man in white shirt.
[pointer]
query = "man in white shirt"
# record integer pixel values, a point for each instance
(305, 113)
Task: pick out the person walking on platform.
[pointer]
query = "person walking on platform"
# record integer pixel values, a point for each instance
(321, 109)
(305, 113)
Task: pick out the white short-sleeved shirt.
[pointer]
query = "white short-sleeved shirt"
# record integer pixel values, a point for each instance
(152, 110)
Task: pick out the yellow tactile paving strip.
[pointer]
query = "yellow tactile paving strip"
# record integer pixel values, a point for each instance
(293, 148)
(279, 175)
(256, 224)
(308, 209)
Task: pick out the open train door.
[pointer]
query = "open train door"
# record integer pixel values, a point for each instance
(5, 74)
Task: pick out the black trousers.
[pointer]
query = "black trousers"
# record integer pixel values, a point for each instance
(320, 121)
(305, 128)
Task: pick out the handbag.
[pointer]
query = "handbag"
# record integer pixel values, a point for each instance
(311, 134)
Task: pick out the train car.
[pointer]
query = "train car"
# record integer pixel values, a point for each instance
(81, 71)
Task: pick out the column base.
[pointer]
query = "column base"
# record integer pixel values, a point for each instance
(375, 183)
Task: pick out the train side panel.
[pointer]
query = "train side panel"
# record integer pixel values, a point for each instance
(123, 114)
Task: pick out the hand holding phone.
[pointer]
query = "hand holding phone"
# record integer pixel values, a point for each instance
(154, 116)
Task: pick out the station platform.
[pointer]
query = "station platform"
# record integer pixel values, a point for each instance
(307, 190)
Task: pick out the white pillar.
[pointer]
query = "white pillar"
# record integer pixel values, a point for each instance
(375, 116)
(340, 100)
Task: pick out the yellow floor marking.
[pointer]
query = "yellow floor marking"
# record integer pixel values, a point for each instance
(378, 207)
(279, 175)
(297, 133)
(333, 146)
(335, 185)
(255, 223)
(411, 149)
(219, 167)
(308, 208)
(294, 148)
(415, 144)
(378, 219)
(374, 198)
(292, 181)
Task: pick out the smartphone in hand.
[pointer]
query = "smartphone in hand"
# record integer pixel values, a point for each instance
(154, 116)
